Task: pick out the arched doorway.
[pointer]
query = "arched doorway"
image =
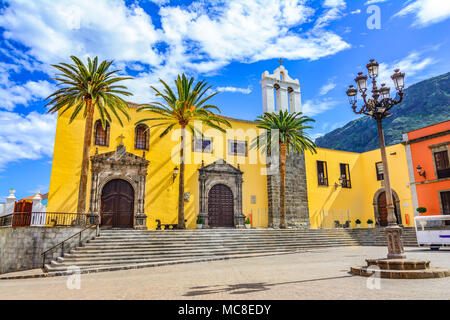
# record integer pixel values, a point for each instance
(220, 207)
(382, 210)
(117, 204)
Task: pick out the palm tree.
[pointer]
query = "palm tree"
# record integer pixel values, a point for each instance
(86, 89)
(180, 109)
(291, 128)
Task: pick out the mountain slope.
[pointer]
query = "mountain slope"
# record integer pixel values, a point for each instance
(425, 103)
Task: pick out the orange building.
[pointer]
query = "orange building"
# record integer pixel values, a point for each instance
(428, 153)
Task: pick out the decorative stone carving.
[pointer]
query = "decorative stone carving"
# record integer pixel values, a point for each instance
(120, 164)
(221, 172)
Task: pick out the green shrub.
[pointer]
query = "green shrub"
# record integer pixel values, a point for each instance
(358, 221)
(199, 220)
(369, 221)
(247, 220)
(421, 210)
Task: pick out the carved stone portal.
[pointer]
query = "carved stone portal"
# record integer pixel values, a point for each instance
(223, 173)
(122, 165)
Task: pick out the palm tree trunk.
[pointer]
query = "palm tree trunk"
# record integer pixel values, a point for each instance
(282, 186)
(181, 224)
(82, 191)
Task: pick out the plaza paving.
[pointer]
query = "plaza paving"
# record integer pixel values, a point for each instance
(314, 274)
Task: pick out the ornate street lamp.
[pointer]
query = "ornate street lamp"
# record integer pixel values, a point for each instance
(378, 107)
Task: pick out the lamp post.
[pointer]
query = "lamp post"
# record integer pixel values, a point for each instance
(378, 106)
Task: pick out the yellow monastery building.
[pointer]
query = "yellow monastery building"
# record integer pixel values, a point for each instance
(133, 175)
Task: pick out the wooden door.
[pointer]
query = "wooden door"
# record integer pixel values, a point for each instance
(382, 210)
(117, 205)
(22, 214)
(220, 207)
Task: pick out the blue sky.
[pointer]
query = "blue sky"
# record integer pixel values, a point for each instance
(229, 43)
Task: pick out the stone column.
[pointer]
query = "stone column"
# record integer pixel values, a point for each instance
(203, 206)
(10, 202)
(239, 217)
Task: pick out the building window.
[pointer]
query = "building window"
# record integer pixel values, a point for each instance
(142, 137)
(345, 176)
(445, 202)
(380, 171)
(101, 135)
(237, 148)
(322, 173)
(204, 145)
(442, 164)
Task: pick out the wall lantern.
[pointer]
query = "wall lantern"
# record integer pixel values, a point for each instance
(421, 172)
(175, 173)
(342, 179)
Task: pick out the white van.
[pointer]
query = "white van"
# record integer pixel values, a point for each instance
(433, 231)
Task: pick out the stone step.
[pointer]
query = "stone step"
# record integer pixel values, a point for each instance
(167, 249)
(126, 249)
(61, 270)
(138, 259)
(230, 245)
(212, 242)
(270, 236)
(161, 254)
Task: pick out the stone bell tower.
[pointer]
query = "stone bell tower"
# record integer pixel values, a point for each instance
(281, 92)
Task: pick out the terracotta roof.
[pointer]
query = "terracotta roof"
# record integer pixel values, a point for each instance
(43, 197)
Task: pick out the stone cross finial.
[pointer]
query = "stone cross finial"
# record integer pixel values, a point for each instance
(121, 137)
(281, 61)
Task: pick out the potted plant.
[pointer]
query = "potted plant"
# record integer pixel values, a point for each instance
(248, 223)
(370, 223)
(358, 223)
(199, 222)
(421, 210)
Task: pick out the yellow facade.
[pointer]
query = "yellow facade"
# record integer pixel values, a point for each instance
(330, 203)
(326, 204)
(161, 197)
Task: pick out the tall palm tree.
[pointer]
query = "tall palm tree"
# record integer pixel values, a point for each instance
(292, 137)
(86, 89)
(180, 109)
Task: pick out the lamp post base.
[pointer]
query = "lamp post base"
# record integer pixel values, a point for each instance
(395, 244)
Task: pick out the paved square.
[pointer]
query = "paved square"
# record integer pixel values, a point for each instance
(315, 274)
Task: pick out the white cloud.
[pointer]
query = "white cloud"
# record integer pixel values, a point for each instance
(374, 1)
(197, 39)
(426, 11)
(357, 11)
(333, 12)
(12, 94)
(234, 89)
(25, 137)
(412, 65)
(54, 30)
(327, 87)
(316, 106)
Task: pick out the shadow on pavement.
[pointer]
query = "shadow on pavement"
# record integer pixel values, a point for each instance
(244, 288)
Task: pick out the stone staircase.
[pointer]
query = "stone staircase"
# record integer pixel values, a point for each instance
(130, 249)
(377, 237)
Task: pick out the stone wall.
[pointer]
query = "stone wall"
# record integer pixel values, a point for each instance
(21, 248)
(297, 214)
